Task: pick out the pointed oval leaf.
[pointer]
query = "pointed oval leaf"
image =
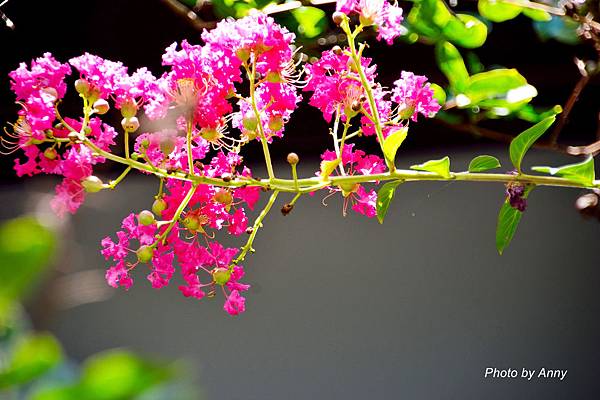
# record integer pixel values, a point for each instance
(521, 144)
(452, 65)
(393, 142)
(582, 172)
(327, 167)
(440, 167)
(385, 195)
(483, 163)
(508, 221)
(494, 84)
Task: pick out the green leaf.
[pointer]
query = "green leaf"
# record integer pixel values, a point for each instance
(497, 83)
(582, 172)
(312, 21)
(508, 221)
(440, 167)
(26, 249)
(393, 142)
(438, 93)
(483, 163)
(521, 144)
(497, 10)
(530, 114)
(32, 357)
(120, 374)
(452, 65)
(537, 15)
(327, 167)
(385, 195)
(466, 31)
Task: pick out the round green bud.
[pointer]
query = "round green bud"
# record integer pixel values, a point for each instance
(250, 123)
(223, 196)
(159, 206)
(146, 218)
(221, 275)
(128, 109)
(191, 222)
(275, 124)
(92, 184)
(144, 254)
(243, 54)
(50, 153)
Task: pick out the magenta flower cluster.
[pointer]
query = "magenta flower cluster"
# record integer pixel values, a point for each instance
(204, 93)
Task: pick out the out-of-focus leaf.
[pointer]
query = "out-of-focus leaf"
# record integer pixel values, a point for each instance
(385, 195)
(496, 83)
(466, 31)
(560, 28)
(537, 15)
(582, 172)
(112, 375)
(452, 65)
(521, 144)
(311, 21)
(530, 114)
(483, 163)
(32, 356)
(508, 221)
(438, 93)
(474, 65)
(420, 22)
(393, 142)
(26, 248)
(440, 167)
(498, 10)
(120, 374)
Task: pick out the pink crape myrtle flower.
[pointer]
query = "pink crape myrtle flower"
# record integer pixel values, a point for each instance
(385, 16)
(414, 95)
(37, 89)
(335, 85)
(357, 162)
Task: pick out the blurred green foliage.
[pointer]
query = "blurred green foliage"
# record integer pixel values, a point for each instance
(32, 364)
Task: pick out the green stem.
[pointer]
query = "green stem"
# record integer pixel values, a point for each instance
(257, 225)
(190, 157)
(177, 214)
(261, 131)
(295, 176)
(356, 58)
(126, 143)
(115, 182)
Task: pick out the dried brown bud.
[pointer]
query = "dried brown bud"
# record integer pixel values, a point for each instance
(286, 209)
(356, 106)
(249, 230)
(337, 50)
(227, 177)
(293, 159)
(338, 17)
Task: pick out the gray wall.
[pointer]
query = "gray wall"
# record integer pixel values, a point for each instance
(343, 308)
